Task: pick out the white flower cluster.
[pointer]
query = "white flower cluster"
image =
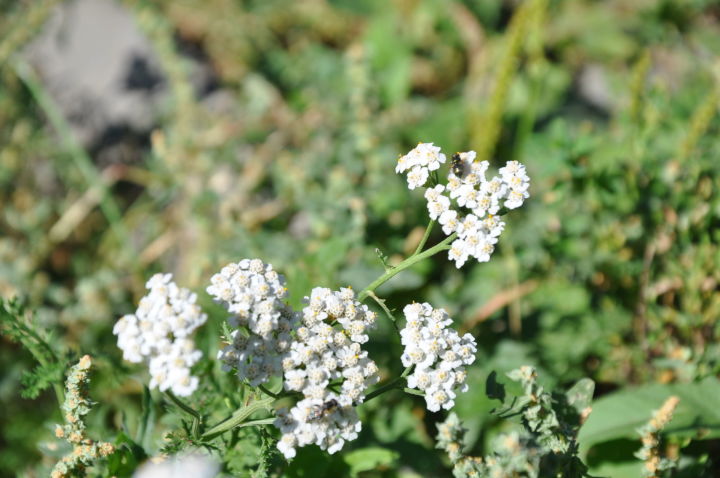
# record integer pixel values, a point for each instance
(438, 353)
(477, 231)
(328, 366)
(160, 333)
(253, 292)
(419, 162)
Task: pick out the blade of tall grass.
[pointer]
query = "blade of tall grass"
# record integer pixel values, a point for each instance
(78, 154)
(485, 136)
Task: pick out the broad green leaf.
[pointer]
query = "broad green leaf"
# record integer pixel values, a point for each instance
(620, 414)
(367, 459)
(625, 469)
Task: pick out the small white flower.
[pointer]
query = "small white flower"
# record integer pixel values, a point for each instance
(449, 221)
(468, 225)
(513, 169)
(436, 208)
(516, 199)
(417, 177)
(470, 198)
(432, 194)
(484, 249)
(419, 161)
(493, 226)
(287, 444)
(458, 252)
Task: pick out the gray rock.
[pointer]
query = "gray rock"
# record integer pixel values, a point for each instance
(100, 70)
(593, 87)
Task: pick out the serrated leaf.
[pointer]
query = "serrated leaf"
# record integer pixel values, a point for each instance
(41, 378)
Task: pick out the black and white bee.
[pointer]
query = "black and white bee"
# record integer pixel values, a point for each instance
(456, 165)
(323, 410)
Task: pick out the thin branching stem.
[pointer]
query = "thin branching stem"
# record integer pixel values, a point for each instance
(189, 410)
(428, 230)
(268, 392)
(409, 262)
(381, 303)
(238, 419)
(393, 384)
(413, 391)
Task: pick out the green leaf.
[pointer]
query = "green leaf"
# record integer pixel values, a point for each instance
(367, 459)
(620, 414)
(41, 378)
(624, 469)
(127, 457)
(147, 419)
(312, 462)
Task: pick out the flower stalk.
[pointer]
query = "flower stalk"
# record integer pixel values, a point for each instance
(409, 262)
(238, 418)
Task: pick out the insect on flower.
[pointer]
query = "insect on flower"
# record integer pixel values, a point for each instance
(456, 165)
(323, 410)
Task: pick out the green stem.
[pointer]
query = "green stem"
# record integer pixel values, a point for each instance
(412, 391)
(238, 419)
(145, 418)
(428, 229)
(384, 307)
(410, 261)
(189, 410)
(388, 386)
(395, 383)
(268, 392)
(184, 406)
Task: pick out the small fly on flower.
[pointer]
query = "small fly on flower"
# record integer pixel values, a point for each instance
(322, 410)
(456, 165)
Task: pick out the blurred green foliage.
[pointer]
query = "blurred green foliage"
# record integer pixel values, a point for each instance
(610, 271)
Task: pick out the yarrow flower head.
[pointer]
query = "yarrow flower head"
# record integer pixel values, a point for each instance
(419, 162)
(438, 354)
(254, 293)
(160, 334)
(470, 203)
(478, 231)
(325, 356)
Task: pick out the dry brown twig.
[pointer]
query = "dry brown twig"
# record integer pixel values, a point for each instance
(498, 301)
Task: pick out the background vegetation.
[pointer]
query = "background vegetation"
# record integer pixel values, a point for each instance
(611, 270)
